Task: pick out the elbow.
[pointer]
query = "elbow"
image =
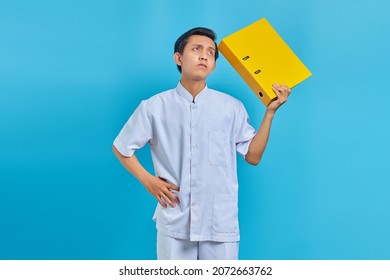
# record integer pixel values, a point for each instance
(253, 160)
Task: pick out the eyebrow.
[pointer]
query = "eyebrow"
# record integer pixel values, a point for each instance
(196, 45)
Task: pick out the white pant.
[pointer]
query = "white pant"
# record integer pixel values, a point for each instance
(169, 248)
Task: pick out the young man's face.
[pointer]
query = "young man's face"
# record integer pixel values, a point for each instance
(198, 58)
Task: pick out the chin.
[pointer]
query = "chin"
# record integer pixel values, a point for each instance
(200, 78)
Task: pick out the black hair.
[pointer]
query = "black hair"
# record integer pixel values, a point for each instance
(182, 41)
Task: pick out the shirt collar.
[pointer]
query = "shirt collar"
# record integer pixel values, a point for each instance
(188, 96)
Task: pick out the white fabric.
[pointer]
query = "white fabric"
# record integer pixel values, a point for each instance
(169, 248)
(193, 145)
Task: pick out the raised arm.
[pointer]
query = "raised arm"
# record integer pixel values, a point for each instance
(260, 140)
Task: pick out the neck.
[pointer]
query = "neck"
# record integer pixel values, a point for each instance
(193, 87)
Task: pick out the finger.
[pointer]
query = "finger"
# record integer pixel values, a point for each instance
(173, 197)
(169, 185)
(276, 90)
(161, 178)
(167, 200)
(276, 87)
(285, 90)
(161, 202)
(281, 87)
(173, 187)
(282, 92)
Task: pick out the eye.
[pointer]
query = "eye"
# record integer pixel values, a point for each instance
(210, 53)
(196, 48)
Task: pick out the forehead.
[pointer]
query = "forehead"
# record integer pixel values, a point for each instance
(201, 40)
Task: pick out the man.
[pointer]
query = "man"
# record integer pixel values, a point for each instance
(194, 133)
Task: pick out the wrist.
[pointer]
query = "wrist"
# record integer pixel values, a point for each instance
(144, 177)
(270, 112)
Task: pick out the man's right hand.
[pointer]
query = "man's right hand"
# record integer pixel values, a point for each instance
(162, 190)
(158, 187)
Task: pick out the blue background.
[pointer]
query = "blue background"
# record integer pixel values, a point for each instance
(72, 72)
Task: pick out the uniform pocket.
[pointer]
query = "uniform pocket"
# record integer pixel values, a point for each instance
(217, 148)
(225, 213)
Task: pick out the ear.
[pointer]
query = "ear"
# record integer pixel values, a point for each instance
(177, 58)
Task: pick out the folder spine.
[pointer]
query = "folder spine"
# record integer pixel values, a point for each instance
(247, 74)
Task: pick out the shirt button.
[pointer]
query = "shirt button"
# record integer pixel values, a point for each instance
(193, 107)
(194, 165)
(194, 126)
(193, 203)
(193, 183)
(195, 146)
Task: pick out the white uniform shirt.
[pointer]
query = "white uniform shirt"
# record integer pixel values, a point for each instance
(193, 145)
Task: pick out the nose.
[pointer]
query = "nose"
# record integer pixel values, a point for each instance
(203, 56)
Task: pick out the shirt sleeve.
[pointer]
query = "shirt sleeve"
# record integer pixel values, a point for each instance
(244, 132)
(135, 133)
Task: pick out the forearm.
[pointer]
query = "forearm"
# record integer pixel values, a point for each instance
(157, 186)
(260, 140)
(133, 166)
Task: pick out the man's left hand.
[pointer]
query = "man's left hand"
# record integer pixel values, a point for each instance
(282, 92)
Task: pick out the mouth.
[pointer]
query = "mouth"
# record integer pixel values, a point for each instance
(201, 65)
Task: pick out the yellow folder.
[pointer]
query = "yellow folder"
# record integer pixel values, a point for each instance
(262, 58)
